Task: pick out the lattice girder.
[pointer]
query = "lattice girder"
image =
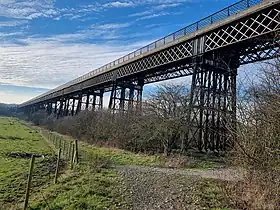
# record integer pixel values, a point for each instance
(256, 26)
(212, 106)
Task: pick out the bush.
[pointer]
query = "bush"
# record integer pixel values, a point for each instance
(257, 148)
(158, 130)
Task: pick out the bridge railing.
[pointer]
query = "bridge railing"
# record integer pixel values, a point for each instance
(216, 17)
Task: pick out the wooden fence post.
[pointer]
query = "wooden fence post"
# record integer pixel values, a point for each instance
(76, 151)
(29, 182)
(72, 157)
(57, 166)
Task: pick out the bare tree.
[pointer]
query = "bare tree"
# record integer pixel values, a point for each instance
(168, 104)
(257, 148)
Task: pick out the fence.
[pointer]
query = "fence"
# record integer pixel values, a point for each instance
(70, 149)
(66, 149)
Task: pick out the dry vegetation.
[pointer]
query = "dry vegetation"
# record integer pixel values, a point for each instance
(257, 148)
(158, 130)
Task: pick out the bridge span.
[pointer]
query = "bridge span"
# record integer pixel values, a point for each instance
(211, 50)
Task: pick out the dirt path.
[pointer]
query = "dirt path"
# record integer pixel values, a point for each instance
(149, 188)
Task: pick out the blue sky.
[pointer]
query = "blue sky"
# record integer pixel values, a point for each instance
(45, 43)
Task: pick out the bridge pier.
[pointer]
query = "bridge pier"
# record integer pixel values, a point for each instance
(79, 103)
(126, 97)
(60, 108)
(55, 108)
(48, 108)
(32, 109)
(87, 101)
(66, 107)
(212, 112)
(97, 100)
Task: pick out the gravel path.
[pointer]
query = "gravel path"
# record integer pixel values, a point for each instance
(148, 188)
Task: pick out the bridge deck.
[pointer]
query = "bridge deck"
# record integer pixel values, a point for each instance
(120, 68)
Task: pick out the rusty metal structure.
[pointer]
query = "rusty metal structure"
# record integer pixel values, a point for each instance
(210, 50)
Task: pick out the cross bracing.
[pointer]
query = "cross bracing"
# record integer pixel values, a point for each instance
(210, 50)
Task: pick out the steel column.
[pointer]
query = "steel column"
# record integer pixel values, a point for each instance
(126, 96)
(97, 100)
(73, 107)
(55, 107)
(60, 108)
(212, 104)
(87, 101)
(79, 105)
(66, 111)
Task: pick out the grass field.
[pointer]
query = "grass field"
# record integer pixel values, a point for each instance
(93, 184)
(82, 188)
(15, 137)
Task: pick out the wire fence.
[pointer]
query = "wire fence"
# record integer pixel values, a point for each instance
(45, 170)
(70, 149)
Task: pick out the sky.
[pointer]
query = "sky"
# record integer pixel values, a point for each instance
(45, 43)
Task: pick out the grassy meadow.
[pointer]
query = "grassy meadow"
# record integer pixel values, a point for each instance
(92, 184)
(81, 188)
(14, 138)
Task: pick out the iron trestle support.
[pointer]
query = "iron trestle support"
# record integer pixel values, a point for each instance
(126, 96)
(212, 110)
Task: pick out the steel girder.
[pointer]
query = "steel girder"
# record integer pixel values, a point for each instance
(249, 39)
(93, 100)
(256, 25)
(126, 97)
(260, 50)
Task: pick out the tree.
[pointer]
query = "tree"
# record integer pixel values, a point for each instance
(168, 104)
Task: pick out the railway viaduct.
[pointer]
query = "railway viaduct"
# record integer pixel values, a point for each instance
(210, 50)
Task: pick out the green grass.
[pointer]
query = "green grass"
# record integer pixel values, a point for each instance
(82, 188)
(89, 186)
(15, 137)
(116, 156)
(85, 187)
(122, 157)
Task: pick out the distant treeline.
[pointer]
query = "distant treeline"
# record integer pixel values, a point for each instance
(7, 109)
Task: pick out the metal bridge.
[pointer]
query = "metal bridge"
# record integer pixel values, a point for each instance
(211, 50)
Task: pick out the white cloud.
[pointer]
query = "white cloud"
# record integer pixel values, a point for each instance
(110, 26)
(12, 23)
(109, 31)
(32, 9)
(153, 16)
(157, 8)
(118, 4)
(160, 2)
(13, 97)
(47, 64)
(27, 9)
(139, 14)
(3, 35)
(164, 6)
